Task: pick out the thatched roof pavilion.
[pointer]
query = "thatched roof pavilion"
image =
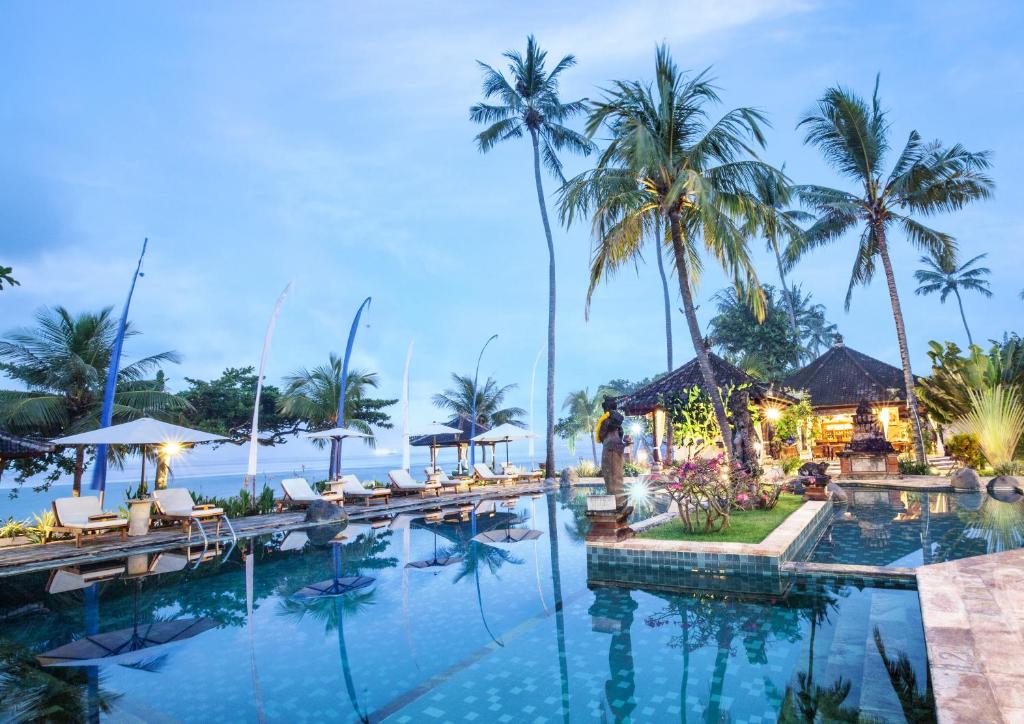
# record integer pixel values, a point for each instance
(13, 447)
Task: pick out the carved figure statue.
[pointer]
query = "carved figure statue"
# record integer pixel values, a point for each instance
(609, 434)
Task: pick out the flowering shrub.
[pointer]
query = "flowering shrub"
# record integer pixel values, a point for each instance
(707, 490)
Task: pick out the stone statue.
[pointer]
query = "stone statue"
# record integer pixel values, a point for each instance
(609, 433)
(867, 432)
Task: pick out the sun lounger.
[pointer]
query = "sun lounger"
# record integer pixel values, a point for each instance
(83, 515)
(486, 475)
(297, 491)
(176, 504)
(446, 482)
(404, 484)
(520, 474)
(351, 487)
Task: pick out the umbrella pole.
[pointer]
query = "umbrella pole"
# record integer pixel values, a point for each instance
(142, 483)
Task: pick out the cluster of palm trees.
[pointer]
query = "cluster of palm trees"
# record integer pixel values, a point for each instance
(669, 170)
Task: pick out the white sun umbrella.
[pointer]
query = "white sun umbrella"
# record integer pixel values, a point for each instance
(144, 431)
(433, 430)
(505, 433)
(335, 433)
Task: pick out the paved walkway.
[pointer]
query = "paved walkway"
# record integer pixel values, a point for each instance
(973, 611)
(23, 559)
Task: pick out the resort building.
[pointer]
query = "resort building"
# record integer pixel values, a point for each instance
(837, 382)
(655, 400)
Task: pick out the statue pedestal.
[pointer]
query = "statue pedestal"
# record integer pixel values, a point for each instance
(609, 518)
(868, 465)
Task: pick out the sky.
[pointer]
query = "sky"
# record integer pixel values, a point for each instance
(329, 145)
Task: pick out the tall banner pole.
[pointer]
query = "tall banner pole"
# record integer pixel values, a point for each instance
(99, 471)
(533, 383)
(254, 433)
(406, 452)
(344, 380)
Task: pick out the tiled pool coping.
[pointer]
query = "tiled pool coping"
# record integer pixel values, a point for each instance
(655, 561)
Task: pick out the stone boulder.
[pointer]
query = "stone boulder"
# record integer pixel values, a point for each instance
(1005, 489)
(320, 511)
(836, 491)
(965, 480)
(569, 476)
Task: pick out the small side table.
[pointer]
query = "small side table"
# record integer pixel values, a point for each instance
(139, 513)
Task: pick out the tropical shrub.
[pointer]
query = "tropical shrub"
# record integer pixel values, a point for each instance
(910, 466)
(42, 524)
(14, 528)
(632, 470)
(702, 493)
(965, 450)
(587, 469)
(996, 419)
(242, 504)
(790, 464)
(945, 393)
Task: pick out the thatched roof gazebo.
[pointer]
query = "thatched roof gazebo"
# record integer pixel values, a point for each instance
(13, 447)
(655, 399)
(837, 381)
(458, 441)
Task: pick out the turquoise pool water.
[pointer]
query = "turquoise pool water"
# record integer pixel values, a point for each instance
(891, 527)
(473, 632)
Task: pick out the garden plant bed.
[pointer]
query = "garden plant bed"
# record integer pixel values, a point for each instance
(746, 526)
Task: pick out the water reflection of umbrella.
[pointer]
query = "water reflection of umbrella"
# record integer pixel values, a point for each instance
(507, 537)
(338, 585)
(435, 563)
(126, 646)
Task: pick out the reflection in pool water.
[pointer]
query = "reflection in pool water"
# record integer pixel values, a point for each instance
(500, 633)
(891, 527)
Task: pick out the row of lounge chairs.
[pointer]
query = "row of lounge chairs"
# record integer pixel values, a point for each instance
(84, 515)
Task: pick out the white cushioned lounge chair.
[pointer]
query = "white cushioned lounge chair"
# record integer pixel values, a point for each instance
(176, 504)
(446, 482)
(403, 483)
(485, 474)
(297, 491)
(352, 487)
(83, 515)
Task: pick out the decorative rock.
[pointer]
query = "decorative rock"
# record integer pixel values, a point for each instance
(837, 492)
(1005, 489)
(320, 511)
(965, 480)
(569, 476)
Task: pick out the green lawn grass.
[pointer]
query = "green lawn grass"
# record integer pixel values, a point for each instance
(746, 526)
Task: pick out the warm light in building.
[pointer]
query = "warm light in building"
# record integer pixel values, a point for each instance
(772, 414)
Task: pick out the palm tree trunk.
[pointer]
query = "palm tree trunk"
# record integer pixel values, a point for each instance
(556, 586)
(549, 430)
(703, 359)
(76, 487)
(960, 303)
(785, 290)
(901, 336)
(665, 294)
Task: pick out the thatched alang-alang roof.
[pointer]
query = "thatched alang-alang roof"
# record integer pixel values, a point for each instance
(451, 439)
(12, 446)
(681, 380)
(842, 377)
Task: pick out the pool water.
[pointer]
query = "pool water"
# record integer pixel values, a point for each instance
(473, 632)
(891, 527)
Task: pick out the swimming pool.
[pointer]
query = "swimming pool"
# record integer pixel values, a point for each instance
(449, 629)
(892, 527)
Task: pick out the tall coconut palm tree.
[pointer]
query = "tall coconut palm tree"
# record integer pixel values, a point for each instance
(62, 364)
(666, 163)
(779, 230)
(529, 103)
(490, 398)
(584, 411)
(926, 178)
(666, 296)
(6, 278)
(312, 395)
(942, 274)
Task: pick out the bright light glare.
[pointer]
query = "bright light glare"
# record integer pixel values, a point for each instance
(635, 428)
(773, 413)
(172, 449)
(639, 494)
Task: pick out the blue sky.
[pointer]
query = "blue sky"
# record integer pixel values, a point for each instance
(328, 144)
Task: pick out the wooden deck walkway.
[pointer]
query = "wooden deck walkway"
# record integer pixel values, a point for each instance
(28, 558)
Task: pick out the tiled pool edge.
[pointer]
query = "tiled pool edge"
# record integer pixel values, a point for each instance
(658, 562)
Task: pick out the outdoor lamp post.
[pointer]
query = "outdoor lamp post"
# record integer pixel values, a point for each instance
(472, 419)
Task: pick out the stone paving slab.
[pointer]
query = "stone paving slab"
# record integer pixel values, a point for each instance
(973, 613)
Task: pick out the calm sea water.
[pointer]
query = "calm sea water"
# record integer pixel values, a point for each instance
(468, 632)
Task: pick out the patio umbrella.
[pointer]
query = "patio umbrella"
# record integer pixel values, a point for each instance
(335, 433)
(144, 432)
(433, 430)
(505, 433)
